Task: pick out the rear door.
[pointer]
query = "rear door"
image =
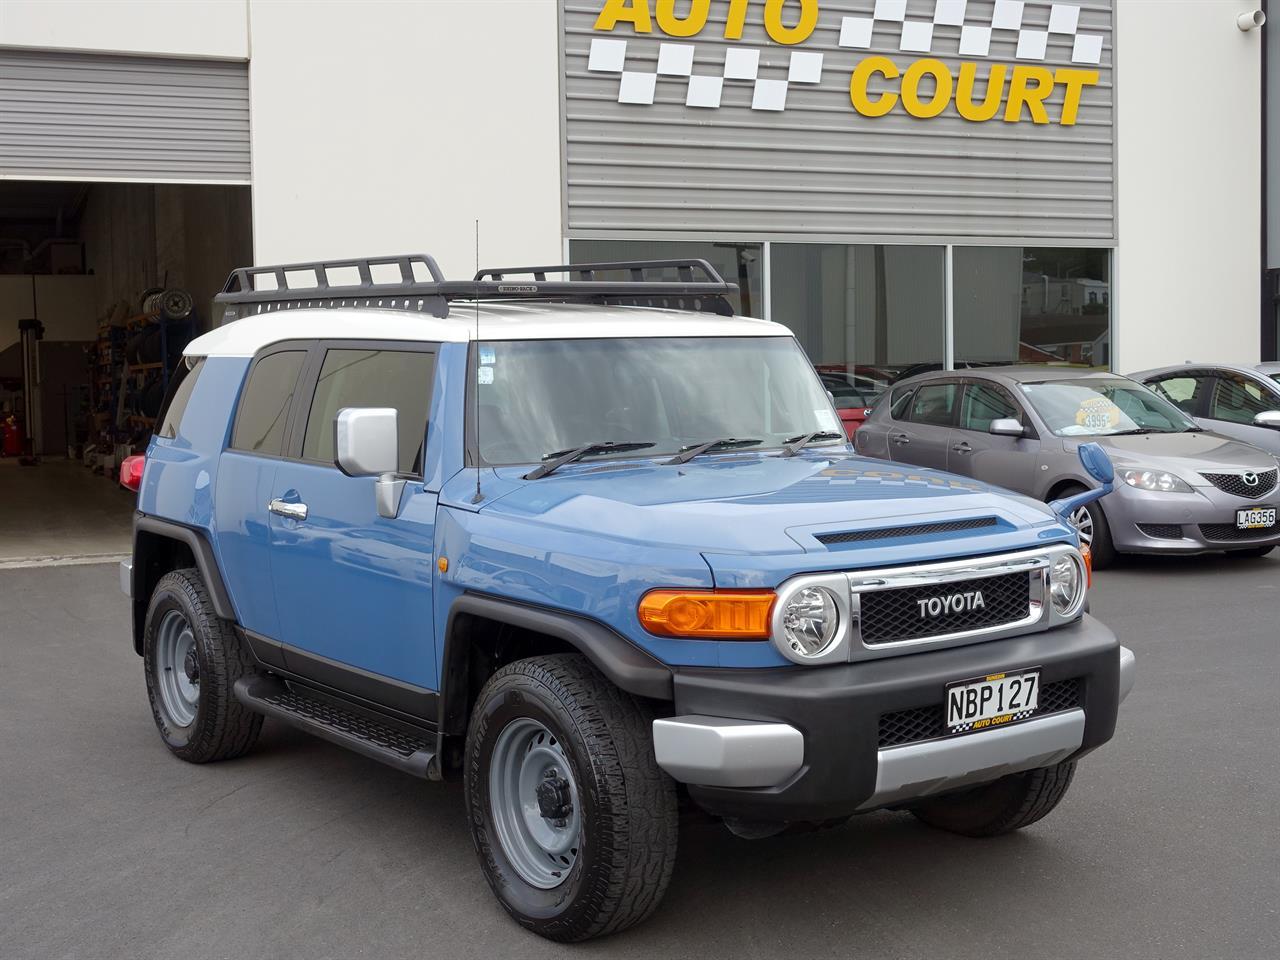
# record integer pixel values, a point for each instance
(353, 587)
(976, 452)
(925, 438)
(246, 478)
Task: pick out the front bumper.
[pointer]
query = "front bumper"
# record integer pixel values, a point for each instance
(1202, 522)
(806, 743)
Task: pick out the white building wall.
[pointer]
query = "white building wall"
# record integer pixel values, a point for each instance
(389, 127)
(1189, 148)
(174, 28)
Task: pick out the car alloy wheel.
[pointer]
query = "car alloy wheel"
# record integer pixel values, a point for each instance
(1082, 520)
(534, 803)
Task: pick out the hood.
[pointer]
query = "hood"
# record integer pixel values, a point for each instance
(767, 505)
(1186, 454)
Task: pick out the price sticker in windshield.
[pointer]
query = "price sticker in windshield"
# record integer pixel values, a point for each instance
(1098, 414)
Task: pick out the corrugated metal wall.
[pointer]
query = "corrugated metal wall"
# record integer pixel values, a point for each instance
(81, 116)
(817, 169)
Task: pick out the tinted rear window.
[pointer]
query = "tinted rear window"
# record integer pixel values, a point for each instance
(264, 406)
(175, 403)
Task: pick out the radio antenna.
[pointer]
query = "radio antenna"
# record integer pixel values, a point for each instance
(476, 406)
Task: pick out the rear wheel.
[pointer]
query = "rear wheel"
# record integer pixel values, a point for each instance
(1091, 524)
(574, 822)
(1008, 804)
(192, 658)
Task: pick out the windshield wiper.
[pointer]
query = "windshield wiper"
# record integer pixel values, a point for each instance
(1135, 432)
(555, 460)
(728, 443)
(794, 445)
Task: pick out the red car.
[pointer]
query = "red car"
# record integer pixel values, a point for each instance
(854, 396)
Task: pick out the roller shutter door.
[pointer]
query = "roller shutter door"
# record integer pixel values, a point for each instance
(81, 116)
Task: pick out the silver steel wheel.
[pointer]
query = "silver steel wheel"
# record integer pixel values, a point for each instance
(533, 800)
(177, 669)
(1082, 520)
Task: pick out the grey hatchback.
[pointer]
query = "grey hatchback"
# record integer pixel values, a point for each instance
(1180, 489)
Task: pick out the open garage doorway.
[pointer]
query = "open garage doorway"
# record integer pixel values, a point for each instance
(102, 285)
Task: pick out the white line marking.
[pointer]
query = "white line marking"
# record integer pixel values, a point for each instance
(21, 563)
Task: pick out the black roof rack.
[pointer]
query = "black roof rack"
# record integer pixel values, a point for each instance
(414, 282)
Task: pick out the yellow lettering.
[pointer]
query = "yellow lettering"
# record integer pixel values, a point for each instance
(964, 92)
(1076, 81)
(911, 88)
(737, 17)
(1032, 96)
(674, 26)
(780, 32)
(858, 86)
(634, 12)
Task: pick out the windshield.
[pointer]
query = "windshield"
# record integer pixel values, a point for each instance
(1103, 407)
(539, 397)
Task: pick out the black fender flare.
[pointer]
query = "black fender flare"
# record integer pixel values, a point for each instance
(201, 550)
(621, 661)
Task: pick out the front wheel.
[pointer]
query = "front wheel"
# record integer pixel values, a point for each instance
(574, 822)
(1008, 804)
(1094, 531)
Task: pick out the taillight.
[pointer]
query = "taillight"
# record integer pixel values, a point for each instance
(131, 472)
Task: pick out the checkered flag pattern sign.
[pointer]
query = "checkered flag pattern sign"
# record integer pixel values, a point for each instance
(916, 36)
(966, 727)
(742, 64)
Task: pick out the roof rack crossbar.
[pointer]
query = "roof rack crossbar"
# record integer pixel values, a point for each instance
(698, 287)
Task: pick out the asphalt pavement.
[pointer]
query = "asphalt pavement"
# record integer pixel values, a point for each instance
(1165, 846)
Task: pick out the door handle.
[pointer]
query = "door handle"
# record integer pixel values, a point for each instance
(962, 447)
(901, 439)
(294, 511)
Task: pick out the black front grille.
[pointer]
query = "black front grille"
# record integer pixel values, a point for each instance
(904, 613)
(1234, 483)
(1230, 533)
(1164, 531)
(928, 723)
(916, 530)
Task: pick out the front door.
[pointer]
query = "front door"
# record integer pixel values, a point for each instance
(976, 452)
(353, 588)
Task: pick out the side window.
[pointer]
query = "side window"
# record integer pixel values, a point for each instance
(983, 403)
(175, 404)
(1180, 391)
(901, 403)
(372, 378)
(934, 403)
(264, 406)
(1238, 400)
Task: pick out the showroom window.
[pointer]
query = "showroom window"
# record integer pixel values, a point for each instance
(1032, 305)
(740, 263)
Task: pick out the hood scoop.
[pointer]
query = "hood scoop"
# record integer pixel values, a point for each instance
(912, 530)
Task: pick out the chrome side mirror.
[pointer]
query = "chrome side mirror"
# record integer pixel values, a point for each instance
(366, 444)
(1006, 427)
(1268, 418)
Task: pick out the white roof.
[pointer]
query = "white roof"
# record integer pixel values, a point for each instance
(498, 321)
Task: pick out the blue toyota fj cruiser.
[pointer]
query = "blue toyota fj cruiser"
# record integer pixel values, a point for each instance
(594, 545)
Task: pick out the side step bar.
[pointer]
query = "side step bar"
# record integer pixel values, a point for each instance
(410, 751)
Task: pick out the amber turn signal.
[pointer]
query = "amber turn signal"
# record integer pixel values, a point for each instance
(1088, 565)
(724, 614)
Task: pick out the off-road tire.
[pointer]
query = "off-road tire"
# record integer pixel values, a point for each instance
(1008, 804)
(1250, 553)
(223, 727)
(1103, 547)
(628, 804)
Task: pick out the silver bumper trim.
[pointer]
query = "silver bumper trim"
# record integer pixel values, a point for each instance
(720, 752)
(934, 766)
(126, 577)
(1128, 671)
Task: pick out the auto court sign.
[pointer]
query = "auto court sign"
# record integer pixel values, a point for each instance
(981, 89)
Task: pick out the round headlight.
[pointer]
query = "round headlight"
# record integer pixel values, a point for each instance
(1066, 584)
(809, 621)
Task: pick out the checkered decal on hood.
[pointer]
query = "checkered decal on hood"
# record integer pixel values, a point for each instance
(741, 64)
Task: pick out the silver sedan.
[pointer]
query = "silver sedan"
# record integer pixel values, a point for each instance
(1179, 488)
(1239, 402)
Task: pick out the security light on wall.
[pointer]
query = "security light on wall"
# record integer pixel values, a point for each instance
(1247, 21)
